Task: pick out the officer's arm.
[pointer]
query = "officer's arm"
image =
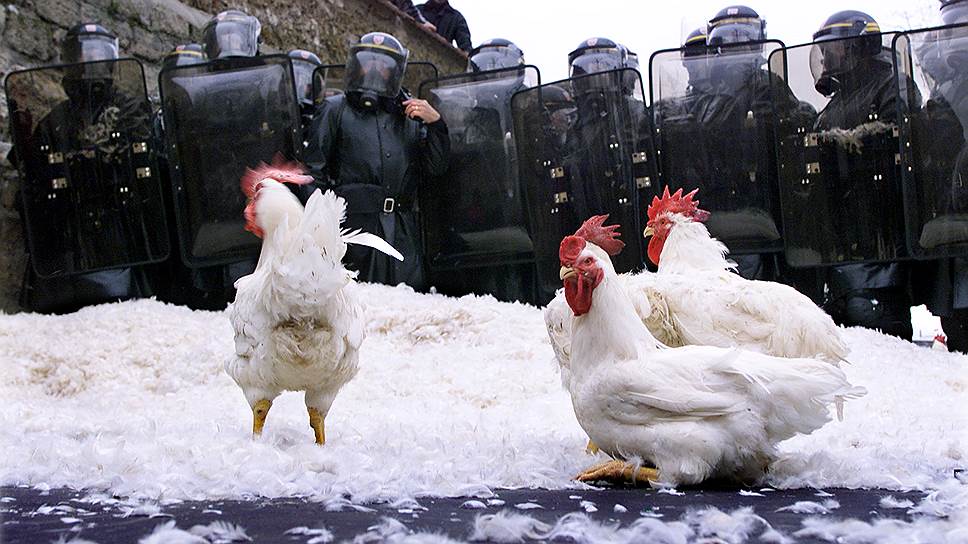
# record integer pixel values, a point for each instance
(463, 35)
(436, 149)
(323, 133)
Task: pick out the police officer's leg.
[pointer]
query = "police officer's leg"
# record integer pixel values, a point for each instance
(956, 329)
(887, 310)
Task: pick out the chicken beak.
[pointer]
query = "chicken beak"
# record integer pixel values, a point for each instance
(648, 232)
(566, 272)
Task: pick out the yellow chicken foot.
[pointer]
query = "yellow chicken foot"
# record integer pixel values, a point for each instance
(591, 448)
(618, 472)
(318, 423)
(259, 412)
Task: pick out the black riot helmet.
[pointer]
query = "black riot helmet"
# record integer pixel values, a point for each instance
(736, 24)
(88, 42)
(375, 69)
(184, 55)
(596, 55)
(834, 55)
(304, 63)
(494, 54)
(231, 33)
(954, 12)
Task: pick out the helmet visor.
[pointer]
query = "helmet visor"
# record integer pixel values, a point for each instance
(954, 14)
(302, 72)
(371, 69)
(493, 58)
(735, 33)
(232, 38)
(597, 60)
(90, 48)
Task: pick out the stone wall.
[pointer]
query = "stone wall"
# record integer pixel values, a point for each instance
(31, 32)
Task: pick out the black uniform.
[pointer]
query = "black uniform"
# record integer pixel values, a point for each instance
(868, 295)
(942, 285)
(450, 24)
(377, 160)
(78, 124)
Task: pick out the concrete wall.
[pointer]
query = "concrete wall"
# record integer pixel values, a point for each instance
(31, 32)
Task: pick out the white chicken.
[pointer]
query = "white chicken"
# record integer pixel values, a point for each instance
(693, 412)
(298, 324)
(695, 299)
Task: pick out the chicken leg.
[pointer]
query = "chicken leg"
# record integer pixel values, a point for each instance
(619, 472)
(259, 412)
(318, 422)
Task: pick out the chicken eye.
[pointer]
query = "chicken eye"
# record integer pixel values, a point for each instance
(588, 260)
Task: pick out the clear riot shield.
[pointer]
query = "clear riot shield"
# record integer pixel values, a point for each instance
(714, 118)
(91, 195)
(933, 83)
(585, 147)
(329, 79)
(476, 216)
(839, 170)
(221, 117)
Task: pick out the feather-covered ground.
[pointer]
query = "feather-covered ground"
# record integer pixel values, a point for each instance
(454, 397)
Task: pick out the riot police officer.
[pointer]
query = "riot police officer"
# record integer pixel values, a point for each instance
(731, 98)
(376, 147)
(942, 284)
(859, 79)
(81, 126)
(494, 54)
(210, 193)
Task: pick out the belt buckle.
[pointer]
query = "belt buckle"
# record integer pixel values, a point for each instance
(389, 205)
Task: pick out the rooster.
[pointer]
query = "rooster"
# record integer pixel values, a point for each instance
(696, 299)
(709, 304)
(692, 412)
(298, 323)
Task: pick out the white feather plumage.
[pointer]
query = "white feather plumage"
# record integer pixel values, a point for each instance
(697, 411)
(695, 299)
(297, 319)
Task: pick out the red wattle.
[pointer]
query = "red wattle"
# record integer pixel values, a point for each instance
(578, 294)
(655, 250)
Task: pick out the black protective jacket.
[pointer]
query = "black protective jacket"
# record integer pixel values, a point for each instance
(70, 127)
(450, 24)
(869, 89)
(378, 160)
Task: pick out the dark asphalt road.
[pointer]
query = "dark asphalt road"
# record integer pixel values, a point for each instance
(267, 520)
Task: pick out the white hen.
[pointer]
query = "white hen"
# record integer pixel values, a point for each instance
(695, 299)
(298, 324)
(693, 412)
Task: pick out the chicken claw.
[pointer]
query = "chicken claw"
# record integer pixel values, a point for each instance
(318, 423)
(259, 412)
(619, 472)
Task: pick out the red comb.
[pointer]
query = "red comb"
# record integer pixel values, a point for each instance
(281, 170)
(677, 203)
(571, 247)
(594, 231)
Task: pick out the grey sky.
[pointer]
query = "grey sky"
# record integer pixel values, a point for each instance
(547, 30)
